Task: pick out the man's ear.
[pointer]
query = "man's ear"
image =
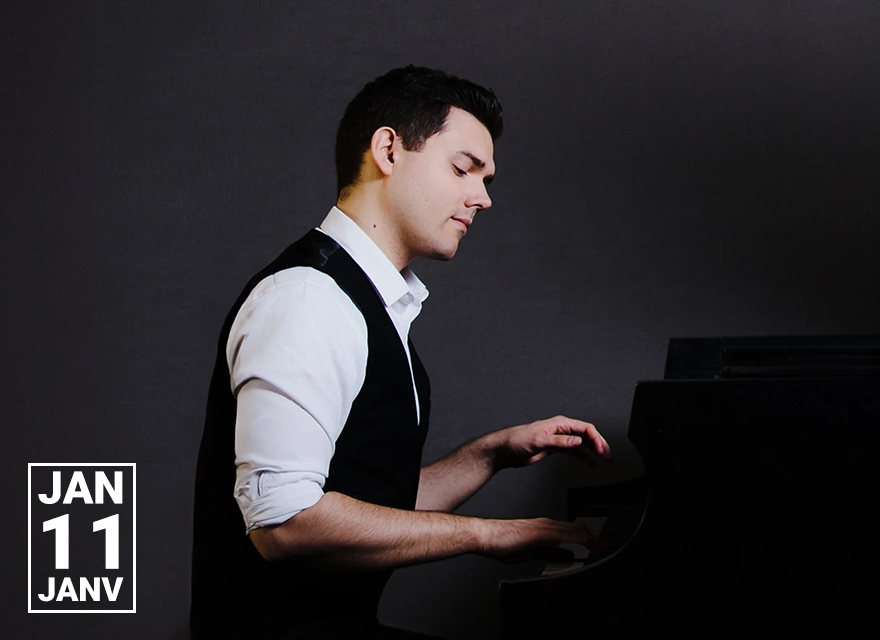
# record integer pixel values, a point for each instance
(383, 145)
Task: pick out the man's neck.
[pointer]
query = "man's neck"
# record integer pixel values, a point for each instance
(372, 220)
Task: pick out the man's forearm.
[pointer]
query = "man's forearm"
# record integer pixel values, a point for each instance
(447, 483)
(342, 533)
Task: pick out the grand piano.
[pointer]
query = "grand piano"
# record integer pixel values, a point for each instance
(755, 515)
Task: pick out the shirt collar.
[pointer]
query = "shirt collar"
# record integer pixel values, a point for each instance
(391, 284)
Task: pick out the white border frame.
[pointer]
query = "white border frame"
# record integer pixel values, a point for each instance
(133, 466)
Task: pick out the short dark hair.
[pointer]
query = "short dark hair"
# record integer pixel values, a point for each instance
(415, 102)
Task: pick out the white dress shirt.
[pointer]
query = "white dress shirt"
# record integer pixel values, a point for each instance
(297, 356)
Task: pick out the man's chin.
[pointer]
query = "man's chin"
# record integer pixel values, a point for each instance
(443, 254)
(449, 254)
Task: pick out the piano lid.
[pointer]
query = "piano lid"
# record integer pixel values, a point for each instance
(772, 357)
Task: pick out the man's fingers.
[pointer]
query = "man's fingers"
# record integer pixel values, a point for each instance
(562, 441)
(600, 445)
(579, 534)
(572, 445)
(598, 547)
(539, 538)
(585, 430)
(526, 444)
(578, 447)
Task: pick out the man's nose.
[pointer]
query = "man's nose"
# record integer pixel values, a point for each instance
(480, 197)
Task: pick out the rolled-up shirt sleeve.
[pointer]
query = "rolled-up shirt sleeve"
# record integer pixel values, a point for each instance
(297, 355)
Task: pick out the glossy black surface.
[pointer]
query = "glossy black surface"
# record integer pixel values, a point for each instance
(757, 516)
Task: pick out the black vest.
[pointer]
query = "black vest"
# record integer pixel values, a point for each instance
(377, 460)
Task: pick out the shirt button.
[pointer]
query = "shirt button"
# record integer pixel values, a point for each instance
(407, 298)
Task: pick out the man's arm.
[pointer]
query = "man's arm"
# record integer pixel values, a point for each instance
(290, 410)
(447, 483)
(342, 533)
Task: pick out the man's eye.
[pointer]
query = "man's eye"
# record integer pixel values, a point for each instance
(458, 171)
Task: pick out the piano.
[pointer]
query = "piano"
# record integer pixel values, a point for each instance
(755, 514)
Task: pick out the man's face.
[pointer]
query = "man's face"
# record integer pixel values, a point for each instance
(436, 191)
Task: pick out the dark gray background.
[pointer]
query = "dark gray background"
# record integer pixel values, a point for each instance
(669, 169)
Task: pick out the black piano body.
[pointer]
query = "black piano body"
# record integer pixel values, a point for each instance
(755, 516)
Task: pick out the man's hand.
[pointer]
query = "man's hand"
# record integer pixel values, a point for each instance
(528, 443)
(448, 482)
(537, 539)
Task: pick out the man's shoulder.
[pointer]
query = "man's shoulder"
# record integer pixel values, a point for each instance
(301, 291)
(291, 320)
(292, 280)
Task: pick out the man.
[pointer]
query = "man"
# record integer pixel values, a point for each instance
(319, 405)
